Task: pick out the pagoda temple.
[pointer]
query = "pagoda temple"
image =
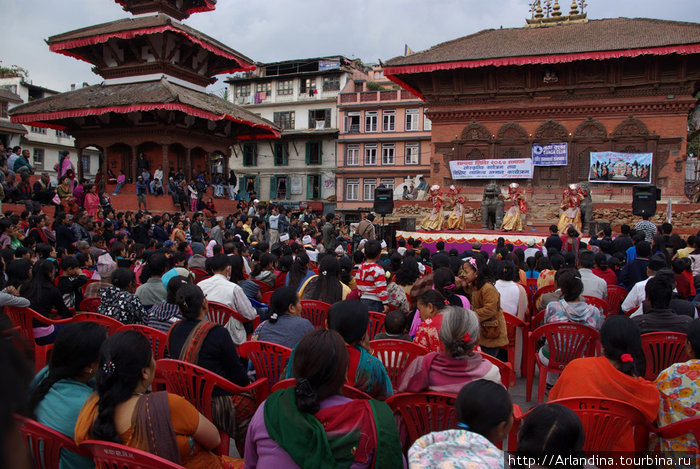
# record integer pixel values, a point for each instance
(153, 98)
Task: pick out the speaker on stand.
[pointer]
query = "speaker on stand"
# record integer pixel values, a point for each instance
(383, 203)
(644, 199)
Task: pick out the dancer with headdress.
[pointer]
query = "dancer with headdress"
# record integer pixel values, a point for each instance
(456, 220)
(436, 218)
(571, 205)
(513, 219)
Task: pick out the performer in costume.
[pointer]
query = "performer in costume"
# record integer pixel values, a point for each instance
(436, 218)
(456, 220)
(570, 204)
(513, 220)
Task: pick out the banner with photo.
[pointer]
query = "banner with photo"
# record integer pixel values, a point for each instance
(492, 169)
(554, 154)
(625, 168)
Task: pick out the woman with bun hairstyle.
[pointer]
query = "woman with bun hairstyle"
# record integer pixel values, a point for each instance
(311, 425)
(121, 411)
(615, 375)
(285, 327)
(449, 371)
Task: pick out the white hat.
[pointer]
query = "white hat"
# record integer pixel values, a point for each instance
(306, 240)
(339, 251)
(531, 242)
(256, 201)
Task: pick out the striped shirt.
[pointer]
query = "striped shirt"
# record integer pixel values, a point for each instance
(371, 281)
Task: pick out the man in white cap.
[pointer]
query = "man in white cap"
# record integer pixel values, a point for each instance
(253, 209)
(531, 248)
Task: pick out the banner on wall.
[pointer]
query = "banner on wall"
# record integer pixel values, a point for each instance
(492, 169)
(554, 154)
(625, 168)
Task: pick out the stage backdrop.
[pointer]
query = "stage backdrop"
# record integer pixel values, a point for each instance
(492, 169)
(625, 168)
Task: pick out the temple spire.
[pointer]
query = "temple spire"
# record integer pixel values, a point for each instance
(178, 9)
(549, 13)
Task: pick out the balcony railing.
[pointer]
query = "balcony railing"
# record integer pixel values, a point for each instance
(375, 96)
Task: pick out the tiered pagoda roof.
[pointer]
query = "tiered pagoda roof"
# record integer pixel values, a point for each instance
(178, 9)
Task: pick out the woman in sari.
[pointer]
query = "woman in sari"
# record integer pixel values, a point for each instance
(513, 219)
(449, 371)
(65, 193)
(178, 234)
(122, 412)
(311, 425)
(435, 219)
(456, 219)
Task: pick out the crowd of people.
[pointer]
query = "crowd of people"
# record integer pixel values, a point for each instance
(163, 270)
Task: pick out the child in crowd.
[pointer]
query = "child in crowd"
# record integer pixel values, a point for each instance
(371, 279)
(71, 281)
(87, 265)
(395, 326)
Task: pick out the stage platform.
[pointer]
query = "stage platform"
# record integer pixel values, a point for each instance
(462, 240)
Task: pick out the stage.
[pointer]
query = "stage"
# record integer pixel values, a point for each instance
(462, 240)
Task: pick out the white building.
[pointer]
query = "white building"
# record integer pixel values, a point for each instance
(299, 96)
(43, 144)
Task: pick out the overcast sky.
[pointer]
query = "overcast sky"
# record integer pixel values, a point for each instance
(271, 30)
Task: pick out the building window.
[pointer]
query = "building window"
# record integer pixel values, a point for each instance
(242, 91)
(352, 189)
(250, 154)
(370, 155)
(86, 163)
(284, 119)
(371, 121)
(412, 119)
(388, 121)
(281, 154)
(319, 119)
(412, 153)
(427, 123)
(285, 87)
(38, 158)
(352, 123)
(37, 130)
(368, 187)
(3, 109)
(279, 187)
(308, 85)
(62, 134)
(352, 155)
(388, 153)
(313, 153)
(263, 87)
(388, 183)
(331, 83)
(313, 186)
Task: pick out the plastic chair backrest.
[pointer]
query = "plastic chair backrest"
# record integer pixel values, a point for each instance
(90, 304)
(347, 391)
(424, 412)
(540, 292)
(604, 420)
(266, 297)
(44, 443)
(115, 456)
(602, 305)
(158, 339)
(537, 320)
(532, 285)
(376, 323)
(316, 312)
(396, 355)
(567, 341)
(220, 314)
(616, 295)
(269, 359)
(680, 428)
(199, 274)
(661, 350)
(22, 318)
(505, 368)
(109, 323)
(264, 287)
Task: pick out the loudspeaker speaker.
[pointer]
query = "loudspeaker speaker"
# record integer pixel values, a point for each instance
(383, 200)
(407, 224)
(644, 199)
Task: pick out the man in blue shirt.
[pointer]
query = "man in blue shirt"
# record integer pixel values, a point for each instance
(141, 190)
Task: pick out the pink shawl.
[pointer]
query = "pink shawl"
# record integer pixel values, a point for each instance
(440, 372)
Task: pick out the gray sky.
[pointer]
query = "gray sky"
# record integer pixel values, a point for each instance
(270, 30)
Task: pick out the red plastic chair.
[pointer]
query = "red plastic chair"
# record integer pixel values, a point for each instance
(602, 305)
(22, 317)
(157, 339)
(616, 295)
(505, 368)
(266, 297)
(539, 293)
(220, 314)
(661, 350)
(604, 420)
(90, 304)
(376, 324)
(348, 391)
(566, 341)
(44, 443)
(424, 412)
(196, 384)
(316, 312)
(531, 286)
(109, 323)
(264, 287)
(680, 428)
(269, 360)
(513, 323)
(199, 274)
(632, 311)
(536, 320)
(115, 456)
(396, 355)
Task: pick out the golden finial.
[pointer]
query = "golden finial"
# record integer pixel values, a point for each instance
(574, 8)
(556, 9)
